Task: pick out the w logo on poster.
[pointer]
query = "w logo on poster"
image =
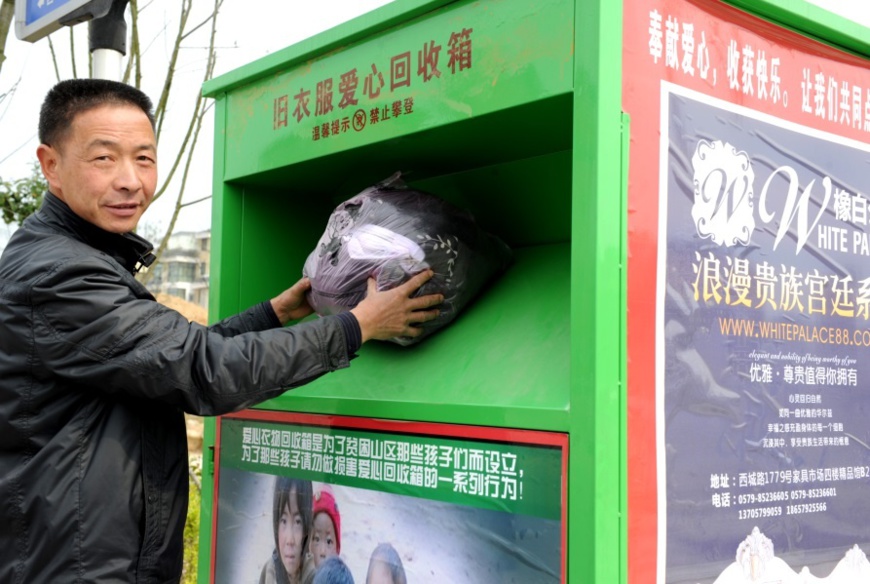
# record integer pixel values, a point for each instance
(723, 207)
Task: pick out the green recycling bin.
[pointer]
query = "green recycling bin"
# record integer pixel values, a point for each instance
(667, 383)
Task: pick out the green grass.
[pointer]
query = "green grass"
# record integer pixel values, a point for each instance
(191, 525)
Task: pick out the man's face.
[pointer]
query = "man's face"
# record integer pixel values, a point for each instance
(105, 168)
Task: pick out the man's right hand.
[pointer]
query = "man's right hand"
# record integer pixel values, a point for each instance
(393, 313)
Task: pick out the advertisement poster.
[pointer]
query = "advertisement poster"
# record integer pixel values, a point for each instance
(749, 186)
(436, 503)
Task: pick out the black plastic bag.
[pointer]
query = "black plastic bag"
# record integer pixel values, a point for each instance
(392, 232)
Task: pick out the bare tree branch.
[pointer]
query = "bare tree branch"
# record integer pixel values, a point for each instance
(178, 204)
(72, 51)
(198, 26)
(3, 97)
(133, 59)
(181, 150)
(53, 59)
(195, 126)
(194, 202)
(199, 110)
(160, 110)
(7, 11)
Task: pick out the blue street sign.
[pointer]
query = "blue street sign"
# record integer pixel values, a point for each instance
(40, 8)
(35, 19)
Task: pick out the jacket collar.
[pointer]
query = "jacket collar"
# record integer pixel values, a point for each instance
(130, 250)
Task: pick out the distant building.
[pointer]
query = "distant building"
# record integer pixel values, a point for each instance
(182, 269)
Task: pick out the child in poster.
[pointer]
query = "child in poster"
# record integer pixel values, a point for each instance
(291, 522)
(325, 540)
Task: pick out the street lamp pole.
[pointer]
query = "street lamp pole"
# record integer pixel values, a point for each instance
(108, 42)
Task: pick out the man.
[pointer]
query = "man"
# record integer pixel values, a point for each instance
(95, 375)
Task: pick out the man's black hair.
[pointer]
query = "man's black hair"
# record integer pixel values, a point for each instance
(69, 98)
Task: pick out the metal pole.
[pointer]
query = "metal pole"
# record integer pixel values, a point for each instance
(108, 42)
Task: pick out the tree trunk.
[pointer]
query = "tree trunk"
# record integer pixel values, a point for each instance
(7, 11)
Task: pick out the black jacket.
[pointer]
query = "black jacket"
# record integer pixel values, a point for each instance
(94, 377)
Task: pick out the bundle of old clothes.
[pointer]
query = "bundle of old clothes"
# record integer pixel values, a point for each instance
(390, 232)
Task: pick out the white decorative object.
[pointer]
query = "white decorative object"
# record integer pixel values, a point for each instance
(723, 208)
(754, 554)
(756, 564)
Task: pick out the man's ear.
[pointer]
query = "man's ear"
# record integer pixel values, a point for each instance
(48, 160)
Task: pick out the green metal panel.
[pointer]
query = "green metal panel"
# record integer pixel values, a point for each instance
(623, 356)
(532, 139)
(206, 516)
(223, 268)
(224, 263)
(462, 61)
(462, 375)
(360, 28)
(596, 514)
(536, 160)
(497, 142)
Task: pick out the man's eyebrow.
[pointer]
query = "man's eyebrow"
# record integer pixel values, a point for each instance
(102, 142)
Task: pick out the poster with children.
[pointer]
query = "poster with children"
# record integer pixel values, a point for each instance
(317, 499)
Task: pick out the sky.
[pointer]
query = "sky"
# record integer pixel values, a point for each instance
(857, 10)
(243, 37)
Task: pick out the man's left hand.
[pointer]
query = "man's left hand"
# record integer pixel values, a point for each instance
(292, 303)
